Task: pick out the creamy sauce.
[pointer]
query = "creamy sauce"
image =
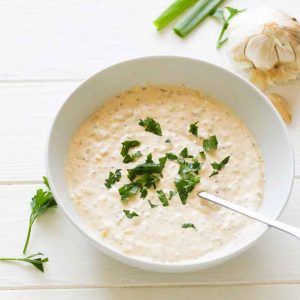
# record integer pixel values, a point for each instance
(157, 234)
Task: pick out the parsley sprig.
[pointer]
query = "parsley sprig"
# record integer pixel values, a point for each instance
(37, 260)
(40, 203)
(220, 14)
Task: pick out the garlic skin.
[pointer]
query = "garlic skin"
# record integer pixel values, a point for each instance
(265, 42)
(281, 106)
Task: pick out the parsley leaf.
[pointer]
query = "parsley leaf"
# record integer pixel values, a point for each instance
(187, 167)
(210, 144)
(149, 167)
(171, 156)
(130, 214)
(194, 128)
(220, 14)
(152, 205)
(168, 141)
(41, 202)
(128, 190)
(163, 198)
(113, 178)
(131, 158)
(35, 259)
(219, 166)
(184, 153)
(172, 194)
(144, 193)
(151, 126)
(188, 225)
(202, 155)
(148, 180)
(127, 145)
(149, 158)
(185, 184)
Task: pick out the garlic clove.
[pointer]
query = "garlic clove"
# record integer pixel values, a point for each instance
(258, 78)
(281, 106)
(285, 51)
(260, 49)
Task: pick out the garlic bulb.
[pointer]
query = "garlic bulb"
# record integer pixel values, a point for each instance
(266, 43)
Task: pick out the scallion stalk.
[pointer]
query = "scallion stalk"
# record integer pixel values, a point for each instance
(197, 14)
(173, 11)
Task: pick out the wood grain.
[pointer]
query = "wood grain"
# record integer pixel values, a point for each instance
(75, 263)
(277, 292)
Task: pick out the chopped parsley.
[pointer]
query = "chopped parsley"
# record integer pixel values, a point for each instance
(172, 194)
(131, 158)
(151, 204)
(113, 178)
(149, 167)
(185, 184)
(128, 190)
(168, 141)
(130, 214)
(127, 145)
(184, 153)
(151, 125)
(202, 155)
(163, 198)
(188, 167)
(148, 180)
(171, 156)
(194, 128)
(144, 193)
(188, 225)
(219, 166)
(210, 144)
(149, 158)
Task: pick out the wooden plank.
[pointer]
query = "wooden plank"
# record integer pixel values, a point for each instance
(274, 292)
(28, 113)
(75, 263)
(71, 39)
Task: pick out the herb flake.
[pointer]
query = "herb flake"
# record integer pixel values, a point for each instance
(219, 166)
(130, 213)
(194, 129)
(151, 126)
(163, 198)
(128, 190)
(189, 225)
(210, 144)
(127, 145)
(151, 204)
(113, 178)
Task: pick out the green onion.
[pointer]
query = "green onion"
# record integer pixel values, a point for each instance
(173, 11)
(197, 14)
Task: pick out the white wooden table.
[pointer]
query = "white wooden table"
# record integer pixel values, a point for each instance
(47, 48)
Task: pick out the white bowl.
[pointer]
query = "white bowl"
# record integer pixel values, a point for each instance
(243, 98)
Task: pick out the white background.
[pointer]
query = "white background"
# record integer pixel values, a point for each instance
(47, 47)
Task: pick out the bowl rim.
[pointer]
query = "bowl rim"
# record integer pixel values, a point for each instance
(181, 266)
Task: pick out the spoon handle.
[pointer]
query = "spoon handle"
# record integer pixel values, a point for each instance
(252, 214)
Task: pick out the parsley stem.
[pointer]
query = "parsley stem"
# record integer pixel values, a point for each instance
(28, 235)
(36, 260)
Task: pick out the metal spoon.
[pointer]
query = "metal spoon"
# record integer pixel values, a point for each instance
(252, 214)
